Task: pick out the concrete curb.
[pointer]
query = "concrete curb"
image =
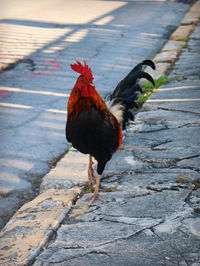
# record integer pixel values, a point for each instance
(177, 41)
(35, 223)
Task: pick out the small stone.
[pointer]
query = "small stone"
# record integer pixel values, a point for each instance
(173, 45)
(167, 57)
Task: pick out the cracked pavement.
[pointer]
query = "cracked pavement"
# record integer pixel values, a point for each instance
(152, 186)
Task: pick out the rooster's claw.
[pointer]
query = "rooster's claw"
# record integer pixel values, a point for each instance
(93, 198)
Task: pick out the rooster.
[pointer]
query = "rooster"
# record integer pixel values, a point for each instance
(93, 126)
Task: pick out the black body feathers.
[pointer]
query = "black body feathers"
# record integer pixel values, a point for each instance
(95, 133)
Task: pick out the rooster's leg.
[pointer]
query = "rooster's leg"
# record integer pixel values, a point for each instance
(95, 195)
(91, 175)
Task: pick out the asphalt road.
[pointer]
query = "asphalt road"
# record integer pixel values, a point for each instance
(39, 40)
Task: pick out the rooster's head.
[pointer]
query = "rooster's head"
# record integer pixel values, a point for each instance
(84, 81)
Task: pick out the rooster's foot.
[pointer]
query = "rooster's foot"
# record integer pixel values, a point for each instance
(95, 197)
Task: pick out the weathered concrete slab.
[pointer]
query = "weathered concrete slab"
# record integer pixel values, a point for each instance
(124, 220)
(183, 32)
(174, 45)
(153, 180)
(141, 248)
(180, 145)
(166, 57)
(160, 119)
(123, 161)
(33, 225)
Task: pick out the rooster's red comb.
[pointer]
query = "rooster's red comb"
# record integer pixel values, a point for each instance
(84, 70)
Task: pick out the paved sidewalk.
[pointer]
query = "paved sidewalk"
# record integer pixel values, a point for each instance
(152, 216)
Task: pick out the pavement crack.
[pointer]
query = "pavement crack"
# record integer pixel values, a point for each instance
(128, 236)
(140, 195)
(99, 252)
(98, 49)
(193, 124)
(175, 110)
(90, 251)
(139, 221)
(188, 157)
(187, 198)
(170, 245)
(153, 146)
(153, 130)
(168, 163)
(172, 187)
(73, 247)
(160, 163)
(121, 238)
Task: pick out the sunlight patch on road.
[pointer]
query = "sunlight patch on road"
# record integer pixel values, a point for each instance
(175, 100)
(151, 34)
(178, 88)
(77, 36)
(35, 92)
(21, 106)
(16, 163)
(104, 20)
(56, 111)
(24, 40)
